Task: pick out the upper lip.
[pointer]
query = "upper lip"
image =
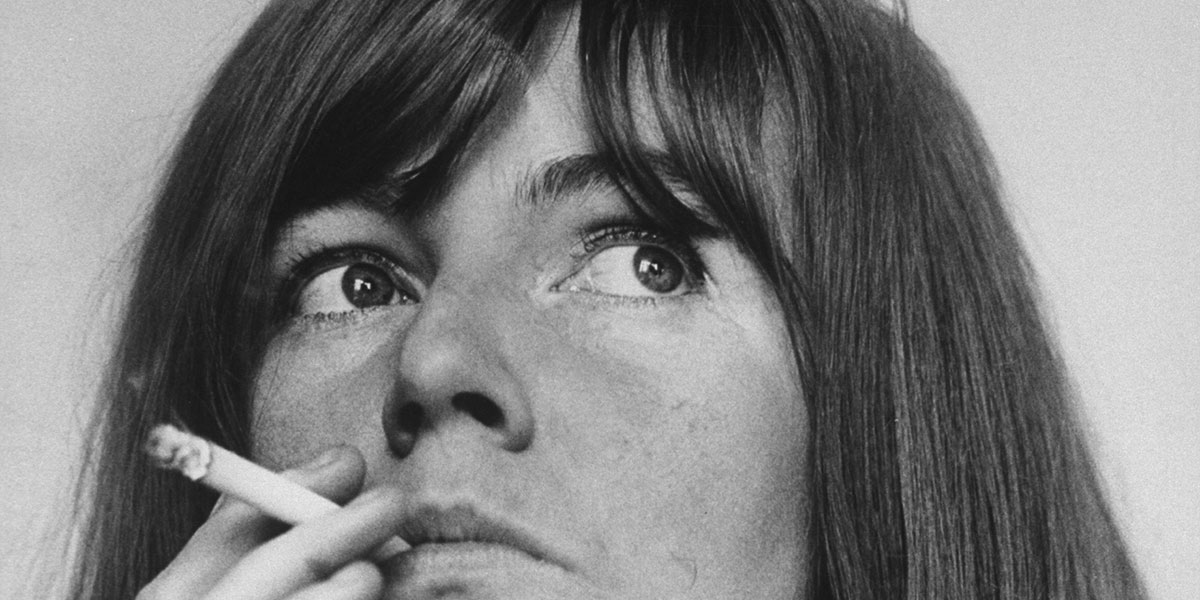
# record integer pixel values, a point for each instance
(463, 521)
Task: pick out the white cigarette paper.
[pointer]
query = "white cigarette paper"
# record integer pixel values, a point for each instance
(205, 462)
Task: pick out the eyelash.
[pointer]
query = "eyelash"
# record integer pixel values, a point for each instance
(609, 236)
(307, 265)
(303, 268)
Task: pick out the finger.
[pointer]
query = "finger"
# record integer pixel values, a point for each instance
(338, 474)
(311, 552)
(358, 580)
(235, 528)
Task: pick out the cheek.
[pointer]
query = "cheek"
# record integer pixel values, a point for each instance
(675, 445)
(688, 440)
(313, 392)
(728, 422)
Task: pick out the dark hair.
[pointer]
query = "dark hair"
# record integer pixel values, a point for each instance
(822, 134)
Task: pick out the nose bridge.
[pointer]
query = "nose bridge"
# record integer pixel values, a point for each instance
(436, 350)
(451, 374)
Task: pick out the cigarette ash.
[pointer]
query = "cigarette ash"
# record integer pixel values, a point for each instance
(180, 451)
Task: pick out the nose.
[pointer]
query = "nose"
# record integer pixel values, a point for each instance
(452, 374)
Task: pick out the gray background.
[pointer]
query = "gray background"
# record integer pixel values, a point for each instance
(1090, 106)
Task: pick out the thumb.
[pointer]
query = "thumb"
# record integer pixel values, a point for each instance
(337, 473)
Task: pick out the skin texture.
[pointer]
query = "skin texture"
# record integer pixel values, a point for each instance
(652, 445)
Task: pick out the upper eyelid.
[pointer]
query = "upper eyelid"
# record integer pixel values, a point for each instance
(324, 259)
(634, 233)
(685, 249)
(316, 262)
(626, 233)
(342, 224)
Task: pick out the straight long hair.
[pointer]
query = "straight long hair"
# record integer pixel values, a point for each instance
(822, 135)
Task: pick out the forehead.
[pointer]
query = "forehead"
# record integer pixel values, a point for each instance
(541, 133)
(542, 112)
(549, 118)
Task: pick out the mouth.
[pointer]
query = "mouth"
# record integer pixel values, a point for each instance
(465, 538)
(465, 549)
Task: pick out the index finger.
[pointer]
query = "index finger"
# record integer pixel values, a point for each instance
(312, 551)
(235, 528)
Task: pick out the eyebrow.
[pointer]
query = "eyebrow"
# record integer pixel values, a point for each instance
(542, 186)
(579, 174)
(564, 177)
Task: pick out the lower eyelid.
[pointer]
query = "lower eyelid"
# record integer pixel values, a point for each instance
(327, 320)
(687, 299)
(320, 262)
(694, 287)
(627, 235)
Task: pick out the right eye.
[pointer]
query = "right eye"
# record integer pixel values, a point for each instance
(350, 282)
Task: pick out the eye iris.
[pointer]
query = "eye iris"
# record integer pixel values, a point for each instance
(366, 285)
(658, 270)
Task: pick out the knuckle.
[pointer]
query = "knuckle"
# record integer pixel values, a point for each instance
(362, 576)
(318, 567)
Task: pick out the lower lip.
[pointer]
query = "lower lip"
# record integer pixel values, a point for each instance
(429, 570)
(465, 555)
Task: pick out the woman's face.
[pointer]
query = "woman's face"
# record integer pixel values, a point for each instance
(576, 403)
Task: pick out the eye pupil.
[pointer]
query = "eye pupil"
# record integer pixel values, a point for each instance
(366, 285)
(658, 270)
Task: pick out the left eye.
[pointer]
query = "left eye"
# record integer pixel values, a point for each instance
(348, 288)
(633, 270)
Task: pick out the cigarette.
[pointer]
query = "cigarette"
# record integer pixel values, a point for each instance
(205, 462)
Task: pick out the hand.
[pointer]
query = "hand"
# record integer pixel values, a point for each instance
(237, 553)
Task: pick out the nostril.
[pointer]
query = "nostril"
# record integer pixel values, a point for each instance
(410, 417)
(404, 422)
(402, 426)
(480, 407)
